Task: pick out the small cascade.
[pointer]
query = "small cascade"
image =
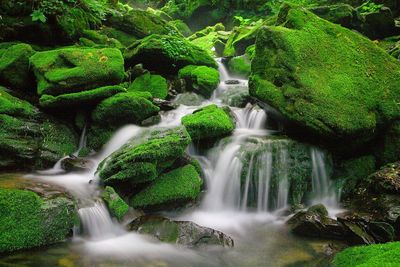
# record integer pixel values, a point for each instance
(251, 118)
(323, 189)
(82, 141)
(223, 72)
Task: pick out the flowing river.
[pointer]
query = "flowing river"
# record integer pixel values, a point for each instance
(249, 180)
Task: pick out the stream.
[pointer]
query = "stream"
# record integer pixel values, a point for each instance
(247, 178)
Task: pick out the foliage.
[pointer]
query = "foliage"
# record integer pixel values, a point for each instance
(369, 7)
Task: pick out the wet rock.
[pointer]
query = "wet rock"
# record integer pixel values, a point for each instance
(231, 82)
(189, 99)
(236, 96)
(164, 105)
(153, 120)
(379, 24)
(184, 233)
(76, 164)
(386, 180)
(315, 223)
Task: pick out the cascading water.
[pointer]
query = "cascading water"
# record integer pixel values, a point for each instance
(250, 174)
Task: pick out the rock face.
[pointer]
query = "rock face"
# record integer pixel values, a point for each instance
(329, 81)
(184, 233)
(33, 214)
(72, 70)
(29, 138)
(200, 79)
(166, 54)
(210, 122)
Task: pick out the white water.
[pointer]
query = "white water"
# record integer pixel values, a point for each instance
(226, 203)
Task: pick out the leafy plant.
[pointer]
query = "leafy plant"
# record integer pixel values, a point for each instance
(242, 21)
(370, 7)
(37, 15)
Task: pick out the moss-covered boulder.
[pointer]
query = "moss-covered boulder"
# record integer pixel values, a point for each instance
(210, 122)
(116, 205)
(200, 79)
(386, 180)
(14, 67)
(212, 39)
(33, 214)
(329, 81)
(342, 14)
(166, 54)
(79, 99)
(124, 108)
(170, 190)
(71, 70)
(141, 23)
(155, 84)
(96, 39)
(372, 255)
(240, 66)
(29, 138)
(143, 159)
(240, 39)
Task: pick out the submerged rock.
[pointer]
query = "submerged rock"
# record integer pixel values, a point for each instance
(33, 214)
(183, 233)
(208, 123)
(189, 99)
(166, 54)
(200, 79)
(335, 103)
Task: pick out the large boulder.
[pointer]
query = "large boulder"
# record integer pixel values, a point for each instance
(166, 54)
(71, 70)
(14, 67)
(33, 214)
(200, 79)
(141, 23)
(30, 138)
(183, 233)
(142, 160)
(386, 180)
(329, 81)
(378, 24)
(155, 84)
(209, 122)
(171, 190)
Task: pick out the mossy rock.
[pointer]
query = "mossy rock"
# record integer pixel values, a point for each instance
(373, 255)
(88, 97)
(141, 160)
(154, 84)
(170, 190)
(96, 39)
(386, 180)
(166, 54)
(124, 108)
(71, 70)
(14, 67)
(123, 37)
(342, 14)
(29, 138)
(240, 39)
(116, 205)
(211, 38)
(331, 82)
(210, 122)
(200, 79)
(33, 215)
(388, 147)
(141, 23)
(182, 27)
(240, 66)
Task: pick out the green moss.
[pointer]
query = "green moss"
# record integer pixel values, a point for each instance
(328, 79)
(240, 66)
(124, 108)
(240, 39)
(182, 27)
(141, 161)
(27, 221)
(389, 150)
(81, 98)
(116, 205)
(201, 79)
(74, 22)
(141, 23)
(123, 37)
(71, 70)
(155, 84)
(14, 66)
(96, 39)
(173, 188)
(208, 123)
(98, 135)
(166, 54)
(367, 256)
(13, 106)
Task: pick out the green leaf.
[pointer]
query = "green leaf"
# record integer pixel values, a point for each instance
(37, 15)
